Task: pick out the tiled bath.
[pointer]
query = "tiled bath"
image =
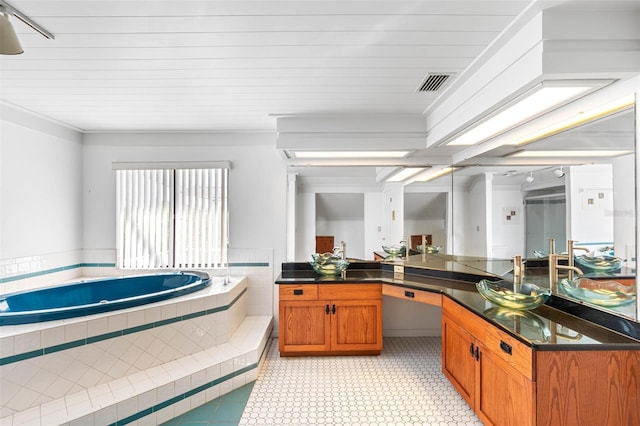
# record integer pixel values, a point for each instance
(145, 364)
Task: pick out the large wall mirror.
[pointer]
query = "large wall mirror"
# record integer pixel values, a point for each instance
(492, 207)
(508, 205)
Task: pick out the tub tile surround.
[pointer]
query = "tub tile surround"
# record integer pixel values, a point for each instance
(27, 273)
(106, 368)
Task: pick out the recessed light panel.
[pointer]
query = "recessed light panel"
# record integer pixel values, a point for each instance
(350, 154)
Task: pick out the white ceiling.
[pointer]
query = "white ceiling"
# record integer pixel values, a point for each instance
(140, 65)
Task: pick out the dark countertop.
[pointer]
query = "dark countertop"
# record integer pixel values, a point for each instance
(548, 327)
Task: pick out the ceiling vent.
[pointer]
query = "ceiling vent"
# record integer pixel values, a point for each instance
(434, 82)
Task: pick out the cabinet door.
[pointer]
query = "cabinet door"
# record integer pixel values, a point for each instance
(305, 326)
(356, 325)
(504, 396)
(458, 361)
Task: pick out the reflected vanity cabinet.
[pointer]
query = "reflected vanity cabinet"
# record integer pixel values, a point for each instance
(326, 319)
(509, 383)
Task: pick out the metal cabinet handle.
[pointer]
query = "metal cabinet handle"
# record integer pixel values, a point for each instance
(477, 354)
(326, 309)
(506, 348)
(298, 292)
(409, 294)
(333, 309)
(471, 349)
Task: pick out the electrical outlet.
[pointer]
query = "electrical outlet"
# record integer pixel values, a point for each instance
(398, 269)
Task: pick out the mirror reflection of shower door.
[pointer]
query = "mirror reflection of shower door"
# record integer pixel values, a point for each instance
(545, 218)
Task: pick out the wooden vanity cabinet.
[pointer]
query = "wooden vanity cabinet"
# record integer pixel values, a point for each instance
(491, 370)
(509, 383)
(330, 319)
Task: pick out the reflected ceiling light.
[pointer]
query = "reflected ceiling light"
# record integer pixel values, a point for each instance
(433, 173)
(405, 173)
(349, 154)
(559, 172)
(530, 178)
(9, 43)
(581, 118)
(572, 153)
(548, 95)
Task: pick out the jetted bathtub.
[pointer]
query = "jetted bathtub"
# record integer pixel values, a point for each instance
(96, 296)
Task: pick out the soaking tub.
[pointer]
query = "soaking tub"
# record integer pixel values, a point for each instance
(96, 296)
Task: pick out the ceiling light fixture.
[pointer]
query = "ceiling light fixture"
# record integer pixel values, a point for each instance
(432, 174)
(9, 42)
(571, 153)
(530, 178)
(559, 172)
(540, 99)
(349, 154)
(405, 173)
(577, 120)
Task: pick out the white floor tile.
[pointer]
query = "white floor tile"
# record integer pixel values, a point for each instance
(402, 386)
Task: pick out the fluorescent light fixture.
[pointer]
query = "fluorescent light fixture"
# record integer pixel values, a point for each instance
(541, 100)
(573, 153)
(350, 154)
(405, 173)
(434, 173)
(581, 118)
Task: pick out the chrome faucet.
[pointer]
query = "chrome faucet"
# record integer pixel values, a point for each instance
(342, 250)
(553, 263)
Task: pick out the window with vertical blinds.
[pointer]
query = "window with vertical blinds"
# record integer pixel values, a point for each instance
(172, 217)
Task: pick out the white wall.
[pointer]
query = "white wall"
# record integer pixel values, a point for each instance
(349, 230)
(41, 190)
(40, 197)
(373, 224)
(435, 227)
(590, 203)
(508, 229)
(258, 181)
(624, 211)
(476, 224)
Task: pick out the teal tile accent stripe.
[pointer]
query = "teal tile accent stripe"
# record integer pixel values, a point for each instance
(81, 342)
(178, 398)
(108, 265)
(249, 264)
(54, 270)
(190, 393)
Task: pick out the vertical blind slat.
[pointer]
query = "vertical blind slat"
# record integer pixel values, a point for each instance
(161, 225)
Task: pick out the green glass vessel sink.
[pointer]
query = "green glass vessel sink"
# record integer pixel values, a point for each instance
(606, 293)
(429, 249)
(395, 250)
(329, 265)
(525, 296)
(599, 263)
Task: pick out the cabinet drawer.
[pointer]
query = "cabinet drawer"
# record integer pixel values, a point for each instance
(421, 296)
(506, 348)
(350, 291)
(298, 292)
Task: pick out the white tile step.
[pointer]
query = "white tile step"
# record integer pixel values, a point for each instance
(163, 392)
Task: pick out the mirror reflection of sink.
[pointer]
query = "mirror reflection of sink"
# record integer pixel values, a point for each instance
(599, 263)
(605, 293)
(395, 250)
(526, 323)
(428, 249)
